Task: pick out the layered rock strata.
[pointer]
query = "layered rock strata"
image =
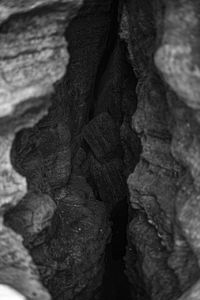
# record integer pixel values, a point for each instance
(121, 102)
(77, 158)
(62, 219)
(178, 60)
(33, 56)
(163, 233)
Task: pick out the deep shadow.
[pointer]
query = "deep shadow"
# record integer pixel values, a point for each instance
(115, 282)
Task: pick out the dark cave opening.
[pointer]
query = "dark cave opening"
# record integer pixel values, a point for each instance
(115, 282)
(111, 41)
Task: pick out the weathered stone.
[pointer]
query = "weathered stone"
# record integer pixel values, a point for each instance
(31, 217)
(192, 293)
(71, 259)
(33, 56)
(12, 185)
(102, 136)
(138, 28)
(153, 184)
(158, 278)
(35, 45)
(89, 30)
(8, 8)
(6, 292)
(88, 144)
(109, 180)
(178, 55)
(178, 60)
(162, 123)
(46, 165)
(116, 89)
(131, 147)
(17, 269)
(183, 261)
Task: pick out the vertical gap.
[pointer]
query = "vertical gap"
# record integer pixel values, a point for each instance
(115, 283)
(111, 41)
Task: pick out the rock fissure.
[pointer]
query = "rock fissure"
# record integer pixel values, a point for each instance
(99, 143)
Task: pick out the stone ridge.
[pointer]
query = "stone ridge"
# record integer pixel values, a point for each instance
(33, 50)
(79, 156)
(164, 187)
(178, 60)
(33, 56)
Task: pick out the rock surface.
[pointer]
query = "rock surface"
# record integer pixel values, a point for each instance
(33, 56)
(126, 107)
(164, 185)
(63, 225)
(76, 158)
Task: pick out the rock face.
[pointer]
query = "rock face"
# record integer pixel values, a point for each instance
(163, 233)
(125, 110)
(73, 158)
(178, 55)
(32, 58)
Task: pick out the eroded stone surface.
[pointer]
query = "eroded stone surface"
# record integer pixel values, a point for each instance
(35, 45)
(178, 56)
(66, 229)
(162, 189)
(32, 216)
(17, 268)
(33, 57)
(7, 292)
(76, 156)
(76, 159)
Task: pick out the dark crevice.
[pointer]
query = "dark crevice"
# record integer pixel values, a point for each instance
(39, 167)
(110, 152)
(115, 283)
(110, 45)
